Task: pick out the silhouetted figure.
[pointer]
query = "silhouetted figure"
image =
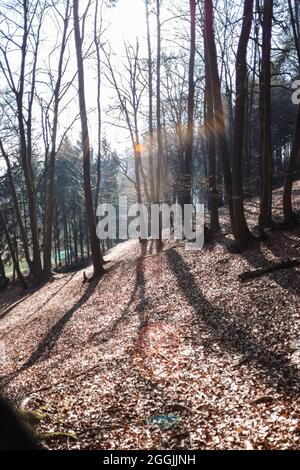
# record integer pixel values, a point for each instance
(14, 435)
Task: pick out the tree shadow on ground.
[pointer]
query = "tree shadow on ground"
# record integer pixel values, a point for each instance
(49, 341)
(138, 292)
(8, 307)
(274, 368)
(282, 249)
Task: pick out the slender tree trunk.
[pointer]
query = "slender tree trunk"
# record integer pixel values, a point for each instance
(12, 250)
(37, 266)
(17, 210)
(4, 281)
(150, 85)
(188, 151)
(158, 107)
(95, 244)
(99, 114)
(289, 216)
(51, 173)
(219, 120)
(241, 231)
(211, 149)
(265, 216)
(25, 149)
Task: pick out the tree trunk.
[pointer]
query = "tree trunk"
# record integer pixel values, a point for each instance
(99, 114)
(50, 183)
(219, 120)
(17, 210)
(188, 151)
(241, 231)
(265, 216)
(150, 85)
(289, 215)
(158, 108)
(95, 244)
(211, 149)
(12, 250)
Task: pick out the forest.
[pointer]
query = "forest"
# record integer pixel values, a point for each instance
(122, 342)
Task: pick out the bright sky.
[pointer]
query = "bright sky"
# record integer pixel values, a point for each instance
(124, 22)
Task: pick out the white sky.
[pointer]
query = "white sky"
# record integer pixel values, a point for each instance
(124, 22)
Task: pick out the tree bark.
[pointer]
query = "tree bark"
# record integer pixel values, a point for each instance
(265, 216)
(158, 105)
(99, 114)
(95, 244)
(50, 183)
(219, 121)
(12, 250)
(17, 210)
(211, 148)
(150, 85)
(241, 231)
(188, 150)
(289, 215)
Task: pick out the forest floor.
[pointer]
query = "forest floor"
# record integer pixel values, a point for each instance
(164, 352)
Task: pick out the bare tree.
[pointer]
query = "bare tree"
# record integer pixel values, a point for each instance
(188, 147)
(241, 231)
(289, 215)
(97, 39)
(50, 171)
(12, 249)
(95, 245)
(150, 88)
(209, 126)
(129, 90)
(265, 216)
(219, 120)
(19, 81)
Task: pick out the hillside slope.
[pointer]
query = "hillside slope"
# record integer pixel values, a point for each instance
(175, 336)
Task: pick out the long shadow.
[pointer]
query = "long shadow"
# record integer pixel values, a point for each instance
(112, 329)
(54, 294)
(14, 304)
(140, 276)
(47, 344)
(139, 286)
(274, 368)
(282, 251)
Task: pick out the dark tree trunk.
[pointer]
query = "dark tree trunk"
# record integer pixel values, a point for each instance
(12, 250)
(95, 244)
(17, 210)
(211, 149)
(51, 173)
(188, 151)
(219, 119)
(241, 231)
(150, 84)
(289, 215)
(265, 216)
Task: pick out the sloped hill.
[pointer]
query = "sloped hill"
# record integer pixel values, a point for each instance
(174, 338)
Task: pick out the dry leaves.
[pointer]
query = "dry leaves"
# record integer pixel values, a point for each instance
(170, 335)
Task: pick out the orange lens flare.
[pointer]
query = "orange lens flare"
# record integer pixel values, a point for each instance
(140, 148)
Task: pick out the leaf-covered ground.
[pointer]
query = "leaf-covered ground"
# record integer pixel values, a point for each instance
(174, 335)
